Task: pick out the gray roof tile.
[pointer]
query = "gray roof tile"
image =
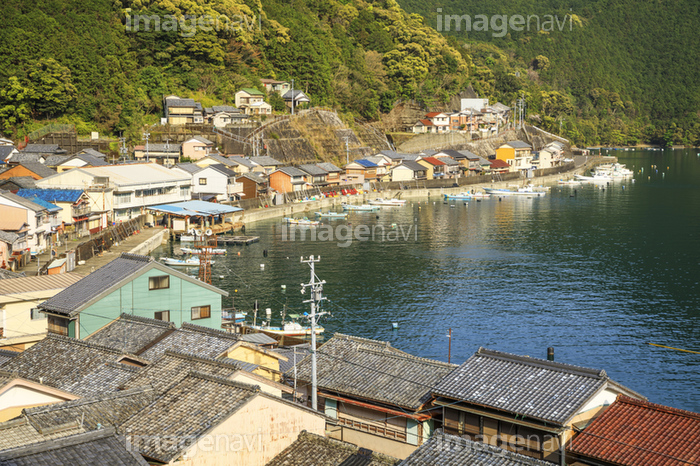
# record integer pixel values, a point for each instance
(449, 450)
(69, 364)
(265, 160)
(6, 355)
(20, 432)
(42, 148)
(312, 449)
(329, 167)
(130, 333)
(374, 370)
(23, 182)
(187, 410)
(39, 168)
(173, 367)
(537, 388)
(313, 170)
(70, 300)
(193, 339)
(519, 145)
(112, 409)
(99, 447)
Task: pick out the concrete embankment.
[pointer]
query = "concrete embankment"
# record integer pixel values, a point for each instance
(308, 208)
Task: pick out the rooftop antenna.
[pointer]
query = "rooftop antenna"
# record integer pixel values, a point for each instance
(315, 299)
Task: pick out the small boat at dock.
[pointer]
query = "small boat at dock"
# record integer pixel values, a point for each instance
(301, 221)
(524, 191)
(331, 214)
(360, 208)
(189, 262)
(388, 202)
(216, 251)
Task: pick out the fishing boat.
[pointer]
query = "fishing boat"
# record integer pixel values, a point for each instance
(458, 197)
(301, 221)
(524, 191)
(360, 208)
(217, 251)
(292, 329)
(388, 202)
(189, 262)
(331, 214)
(569, 182)
(593, 178)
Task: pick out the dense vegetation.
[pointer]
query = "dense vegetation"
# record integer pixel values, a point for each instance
(621, 71)
(617, 77)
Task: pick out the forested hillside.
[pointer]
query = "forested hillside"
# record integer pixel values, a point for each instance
(628, 67)
(617, 77)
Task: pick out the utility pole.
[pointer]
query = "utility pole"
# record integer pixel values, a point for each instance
(316, 289)
(146, 136)
(122, 148)
(292, 97)
(449, 350)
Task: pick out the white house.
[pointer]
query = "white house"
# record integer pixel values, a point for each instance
(408, 170)
(197, 147)
(42, 218)
(215, 181)
(121, 192)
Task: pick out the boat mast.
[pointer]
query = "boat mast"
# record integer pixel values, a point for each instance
(315, 300)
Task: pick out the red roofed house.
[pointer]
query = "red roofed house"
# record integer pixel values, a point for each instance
(632, 432)
(435, 168)
(440, 120)
(424, 126)
(499, 166)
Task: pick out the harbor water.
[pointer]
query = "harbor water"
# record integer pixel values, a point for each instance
(595, 271)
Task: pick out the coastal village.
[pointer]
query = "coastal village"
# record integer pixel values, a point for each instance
(108, 356)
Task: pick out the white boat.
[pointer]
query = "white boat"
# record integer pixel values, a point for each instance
(569, 182)
(292, 329)
(388, 202)
(525, 191)
(189, 262)
(331, 214)
(360, 208)
(217, 251)
(301, 221)
(593, 178)
(187, 238)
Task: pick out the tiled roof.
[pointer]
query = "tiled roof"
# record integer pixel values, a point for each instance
(433, 114)
(251, 91)
(189, 167)
(374, 370)
(468, 154)
(537, 388)
(71, 300)
(26, 157)
(20, 431)
(172, 367)
(45, 204)
(519, 145)
(130, 333)
(221, 168)
(66, 363)
(242, 161)
(187, 410)
(19, 181)
(99, 447)
(291, 171)
(6, 355)
(425, 122)
(38, 283)
(8, 237)
(7, 274)
(632, 432)
(93, 152)
(178, 102)
(313, 170)
(194, 339)
(225, 108)
(329, 167)
(434, 161)
(52, 195)
(5, 151)
(258, 338)
(103, 379)
(112, 409)
(264, 160)
(415, 166)
(201, 139)
(22, 201)
(55, 160)
(90, 159)
(223, 160)
(39, 168)
(449, 450)
(311, 449)
(498, 163)
(254, 177)
(42, 148)
(158, 147)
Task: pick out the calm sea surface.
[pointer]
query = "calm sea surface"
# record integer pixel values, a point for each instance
(595, 273)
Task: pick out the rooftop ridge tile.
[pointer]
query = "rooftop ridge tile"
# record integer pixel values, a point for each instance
(87, 401)
(543, 363)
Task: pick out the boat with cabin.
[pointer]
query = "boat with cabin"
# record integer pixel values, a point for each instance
(301, 221)
(524, 191)
(331, 214)
(388, 202)
(215, 251)
(189, 262)
(360, 208)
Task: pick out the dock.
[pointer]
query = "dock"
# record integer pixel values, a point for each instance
(237, 240)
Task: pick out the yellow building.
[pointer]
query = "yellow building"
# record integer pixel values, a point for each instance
(21, 325)
(513, 149)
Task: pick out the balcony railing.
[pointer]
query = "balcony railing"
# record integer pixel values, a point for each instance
(374, 429)
(81, 210)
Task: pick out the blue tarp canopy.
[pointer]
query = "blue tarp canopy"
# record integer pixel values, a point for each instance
(195, 209)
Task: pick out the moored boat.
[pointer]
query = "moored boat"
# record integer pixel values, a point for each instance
(331, 214)
(360, 208)
(189, 262)
(525, 191)
(301, 221)
(388, 202)
(217, 251)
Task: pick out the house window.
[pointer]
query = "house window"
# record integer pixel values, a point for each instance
(36, 314)
(58, 325)
(162, 315)
(202, 181)
(159, 283)
(201, 312)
